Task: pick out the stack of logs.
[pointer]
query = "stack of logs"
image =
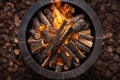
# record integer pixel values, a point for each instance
(60, 49)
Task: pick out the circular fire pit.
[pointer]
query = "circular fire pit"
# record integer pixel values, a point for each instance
(60, 39)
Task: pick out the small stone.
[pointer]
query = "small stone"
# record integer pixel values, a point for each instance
(15, 40)
(9, 56)
(9, 14)
(109, 49)
(116, 58)
(15, 68)
(11, 27)
(110, 18)
(5, 37)
(108, 74)
(16, 18)
(118, 50)
(11, 63)
(3, 60)
(17, 51)
(9, 78)
(10, 69)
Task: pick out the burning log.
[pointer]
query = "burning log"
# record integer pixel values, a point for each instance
(37, 45)
(78, 51)
(49, 48)
(47, 35)
(54, 62)
(36, 23)
(87, 31)
(75, 50)
(88, 37)
(76, 18)
(82, 46)
(58, 67)
(71, 53)
(32, 32)
(37, 35)
(49, 15)
(45, 21)
(31, 40)
(86, 42)
(66, 60)
(75, 63)
(79, 25)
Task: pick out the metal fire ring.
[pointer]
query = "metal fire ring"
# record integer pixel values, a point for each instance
(66, 74)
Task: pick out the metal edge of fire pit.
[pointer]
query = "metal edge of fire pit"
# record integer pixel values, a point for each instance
(67, 74)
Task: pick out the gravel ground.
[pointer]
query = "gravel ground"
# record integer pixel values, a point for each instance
(12, 66)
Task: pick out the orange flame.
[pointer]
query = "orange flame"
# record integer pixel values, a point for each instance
(60, 13)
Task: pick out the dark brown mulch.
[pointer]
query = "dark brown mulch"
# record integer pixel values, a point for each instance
(12, 66)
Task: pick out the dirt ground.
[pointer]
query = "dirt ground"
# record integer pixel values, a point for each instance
(12, 66)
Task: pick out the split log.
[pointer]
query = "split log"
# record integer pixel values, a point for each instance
(36, 23)
(76, 18)
(71, 53)
(47, 35)
(37, 35)
(75, 63)
(40, 57)
(86, 42)
(31, 40)
(75, 50)
(53, 62)
(82, 46)
(79, 25)
(45, 21)
(87, 31)
(65, 59)
(82, 35)
(32, 32)
(48, 49)
(37, 45)
(49, 15)
(78, 51)
(58, 67)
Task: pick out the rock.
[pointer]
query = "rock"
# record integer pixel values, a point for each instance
(9, 14)
(9, 56)
(11, 27)
(11, 63)
(109, 49)
(15, 67)
(106, 23)
(17, 51)
(3, 60)
(5, 37)
(116, 58)
(108, 74)
(10, 69)
(15, 40)
(106, 57)
(110, 18)
(9, 78)
(113, 67)
(118, 50)
(16, 18)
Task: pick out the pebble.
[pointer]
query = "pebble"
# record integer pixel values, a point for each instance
(11, 63)
(17, 51)
(118, 50)
(15, 40)
(116, 58)
(109, 49)
(108, 74)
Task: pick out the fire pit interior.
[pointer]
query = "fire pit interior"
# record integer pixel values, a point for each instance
(59, 38)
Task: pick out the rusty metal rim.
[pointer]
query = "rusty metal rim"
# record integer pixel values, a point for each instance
(67, 74)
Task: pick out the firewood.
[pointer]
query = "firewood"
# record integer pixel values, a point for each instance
(58, 67)
(53, 62)
(76, 51)
(41, 57)
(88, 37)
(82, 46)
(86, 42)
(65, 59)
(37, 36)
(31, 40)
(36, 23)
(76, 18)
(71, 53)
(79, 25)
(47, 35)
(87, 31)
(75, 63)
(45, 21)
(37, 45)
(49, 15)
(48, 49)
(32, 32)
